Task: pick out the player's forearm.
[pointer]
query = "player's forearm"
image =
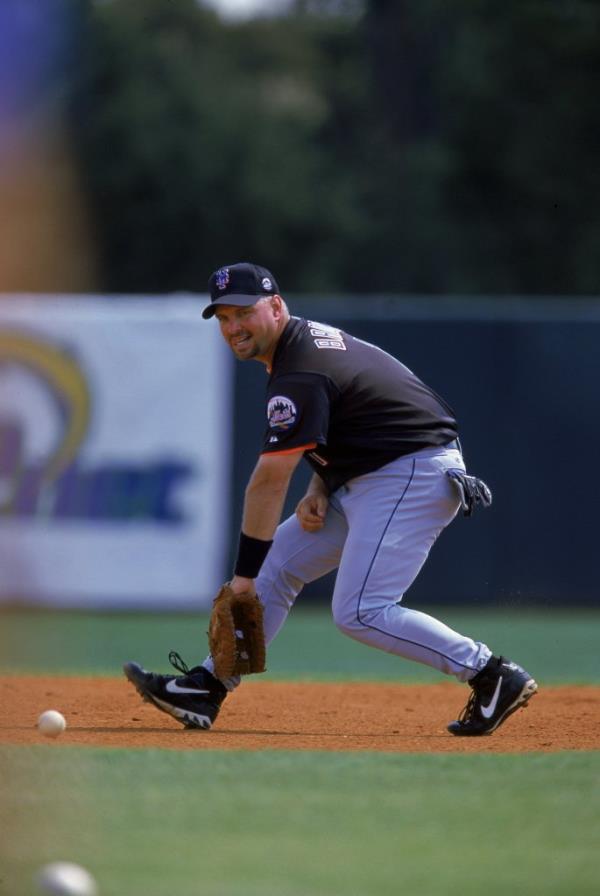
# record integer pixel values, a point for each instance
(263, 505)
(316, 486)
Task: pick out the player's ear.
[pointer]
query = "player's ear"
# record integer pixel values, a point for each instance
(277, 304)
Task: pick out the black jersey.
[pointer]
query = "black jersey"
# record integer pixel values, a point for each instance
(350, 405)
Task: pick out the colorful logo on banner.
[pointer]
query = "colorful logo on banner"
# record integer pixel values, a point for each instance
(57, 486)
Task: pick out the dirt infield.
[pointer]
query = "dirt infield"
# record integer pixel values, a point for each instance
(107, 712)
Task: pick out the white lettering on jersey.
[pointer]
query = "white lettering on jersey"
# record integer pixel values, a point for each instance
(326, 336)
(330, 343)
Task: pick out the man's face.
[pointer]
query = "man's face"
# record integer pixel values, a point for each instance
(252, 332)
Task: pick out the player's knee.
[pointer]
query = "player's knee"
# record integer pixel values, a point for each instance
(358, 622)
(347, 620)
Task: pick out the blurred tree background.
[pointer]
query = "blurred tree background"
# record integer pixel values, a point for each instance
(444, 146)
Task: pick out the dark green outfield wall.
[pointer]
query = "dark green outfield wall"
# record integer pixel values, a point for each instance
(524, 381)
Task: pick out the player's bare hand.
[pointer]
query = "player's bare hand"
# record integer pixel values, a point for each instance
(240, 585)
(311, 512)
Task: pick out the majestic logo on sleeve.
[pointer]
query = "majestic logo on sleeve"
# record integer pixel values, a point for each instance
(222, 278)
(281, 413)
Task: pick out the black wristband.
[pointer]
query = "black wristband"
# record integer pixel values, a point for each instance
(251, 556)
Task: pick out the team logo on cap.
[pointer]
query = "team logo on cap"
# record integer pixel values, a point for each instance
(266, 283)
(281, 412)
(222, 278)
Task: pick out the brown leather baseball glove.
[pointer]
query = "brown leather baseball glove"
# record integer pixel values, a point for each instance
(235, 634)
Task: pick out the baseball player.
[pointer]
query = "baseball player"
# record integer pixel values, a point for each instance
(388, 477)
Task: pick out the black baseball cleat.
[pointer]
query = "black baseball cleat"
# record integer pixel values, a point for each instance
(498, 690)
(194, 698)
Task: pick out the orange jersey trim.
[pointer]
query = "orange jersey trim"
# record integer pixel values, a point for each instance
(289, 450)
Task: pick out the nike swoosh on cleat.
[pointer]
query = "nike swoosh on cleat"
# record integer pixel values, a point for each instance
(174, 688)
(488, 711)
(183, 715)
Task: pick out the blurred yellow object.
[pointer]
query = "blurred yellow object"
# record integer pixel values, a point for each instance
(44, 237)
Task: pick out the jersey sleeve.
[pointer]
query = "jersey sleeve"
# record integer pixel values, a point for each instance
(297, 410)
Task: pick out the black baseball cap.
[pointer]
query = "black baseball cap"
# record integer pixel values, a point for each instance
(239, 284)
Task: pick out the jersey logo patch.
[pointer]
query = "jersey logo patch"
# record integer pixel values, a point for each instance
(281, 412)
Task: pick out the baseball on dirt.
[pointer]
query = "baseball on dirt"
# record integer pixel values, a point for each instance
(66, 879)
(51, 723)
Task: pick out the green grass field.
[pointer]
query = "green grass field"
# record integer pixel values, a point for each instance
(152, 822)
(557, 646)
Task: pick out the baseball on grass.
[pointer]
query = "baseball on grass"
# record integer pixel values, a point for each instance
(66, 879)
(51, 723)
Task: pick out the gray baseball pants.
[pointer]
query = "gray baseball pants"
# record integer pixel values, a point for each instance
(378, 532)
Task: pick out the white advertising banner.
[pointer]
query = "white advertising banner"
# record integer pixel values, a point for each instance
(115, 418)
